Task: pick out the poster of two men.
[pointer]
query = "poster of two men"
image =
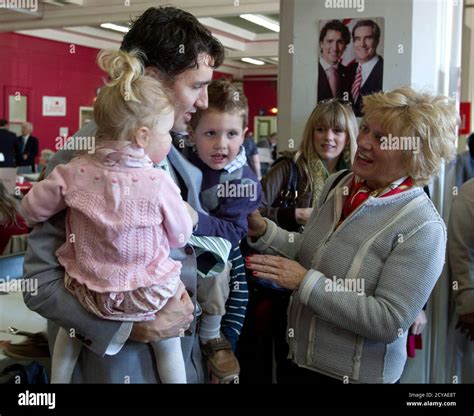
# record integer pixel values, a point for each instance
(350, 59)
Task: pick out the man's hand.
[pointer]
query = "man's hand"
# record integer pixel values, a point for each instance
(25, 156)
(171, 321)
(466, 325)
(256, 225)
(192, 213)
(302, 215)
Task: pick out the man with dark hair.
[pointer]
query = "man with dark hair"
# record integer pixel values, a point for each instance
(7, 145)
(366, 73)
(182, 53)
(333, 79)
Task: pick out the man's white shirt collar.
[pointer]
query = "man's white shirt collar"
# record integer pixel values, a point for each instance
(325, 65)
(368, 66)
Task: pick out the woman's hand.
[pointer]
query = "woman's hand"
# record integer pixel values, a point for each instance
(302, 215)
(419, 325)
(257, 225)
(287, 273)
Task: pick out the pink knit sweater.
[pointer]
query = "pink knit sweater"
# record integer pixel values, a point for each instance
(123, 217)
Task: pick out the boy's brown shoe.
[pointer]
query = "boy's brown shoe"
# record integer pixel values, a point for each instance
(221, 360)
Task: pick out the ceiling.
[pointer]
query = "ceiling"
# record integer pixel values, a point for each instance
(78, 22)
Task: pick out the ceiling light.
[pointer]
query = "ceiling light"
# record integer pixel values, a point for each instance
(113, 26)
(264, 21)
(253, 61)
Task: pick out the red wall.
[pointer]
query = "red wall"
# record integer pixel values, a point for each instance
(261, 94)
(39, 67)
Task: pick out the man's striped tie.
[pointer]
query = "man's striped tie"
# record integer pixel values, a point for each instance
(357, 83)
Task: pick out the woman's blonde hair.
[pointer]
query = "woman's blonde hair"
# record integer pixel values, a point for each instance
(330, 114)
(428, 122)
(8, 208)
(130, 99)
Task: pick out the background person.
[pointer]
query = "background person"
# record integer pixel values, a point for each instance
(253, 158)
(461, 266)
(11, 221)
(465, 163)
(7, 146)
(27, 147)
(376, 230)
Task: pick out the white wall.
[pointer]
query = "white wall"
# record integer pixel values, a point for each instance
(298, 72)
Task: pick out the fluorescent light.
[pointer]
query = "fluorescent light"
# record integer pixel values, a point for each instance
(113, 26)
(253, 61)
(264, 21)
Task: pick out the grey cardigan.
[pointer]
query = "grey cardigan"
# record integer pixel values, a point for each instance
(107, 356)
(393, 248)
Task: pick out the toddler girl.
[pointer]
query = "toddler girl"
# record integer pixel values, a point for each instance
(123, 216)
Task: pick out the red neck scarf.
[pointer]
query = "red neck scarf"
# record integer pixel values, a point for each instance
(360, 193)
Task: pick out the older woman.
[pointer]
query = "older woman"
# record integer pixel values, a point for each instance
(371, 255)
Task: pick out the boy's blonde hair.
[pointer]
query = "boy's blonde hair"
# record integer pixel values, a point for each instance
(406, 113)
(224, 97)
(130, 99)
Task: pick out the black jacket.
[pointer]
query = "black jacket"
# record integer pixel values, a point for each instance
(7, 148)
(31, 150)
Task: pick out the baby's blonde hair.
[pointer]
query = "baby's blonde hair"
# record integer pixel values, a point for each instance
(130, 99)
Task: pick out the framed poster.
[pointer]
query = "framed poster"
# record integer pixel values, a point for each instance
(17, 108)
(54, 106)
(350, 59)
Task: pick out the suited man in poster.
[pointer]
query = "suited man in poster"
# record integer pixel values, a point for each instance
(27, 146)
(366, 72)
(333, 78)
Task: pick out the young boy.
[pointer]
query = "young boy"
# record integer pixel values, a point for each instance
(230, 191)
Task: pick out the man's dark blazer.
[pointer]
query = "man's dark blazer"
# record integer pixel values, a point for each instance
(31, 149)
(8, 148)
(324, 89)
(372, 84)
